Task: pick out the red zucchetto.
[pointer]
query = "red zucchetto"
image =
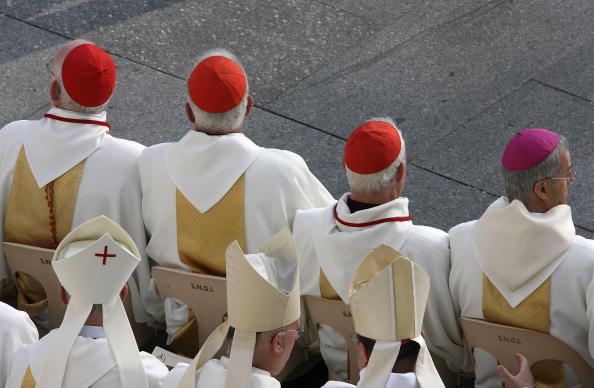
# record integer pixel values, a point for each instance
(217, 84)
(89, 75)
(372, 147)
(528, 148)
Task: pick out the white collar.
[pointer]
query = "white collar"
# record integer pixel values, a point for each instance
(344, 247)
(92, 331)
(53, 147)
(518, 250)
(395, 209)
(225, 361)
(205, 167)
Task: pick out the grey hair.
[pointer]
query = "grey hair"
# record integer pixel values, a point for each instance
(520, 184)
(67, 102)
(227, 121)
(381, 180)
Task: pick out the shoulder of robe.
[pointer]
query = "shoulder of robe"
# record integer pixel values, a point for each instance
(11, 129)
(153, 153)
(305, 219)
(156, 371)
(13, 319)
(461, 229)
(581, 257)
(434, 242)
(280, 162)
(122, 146)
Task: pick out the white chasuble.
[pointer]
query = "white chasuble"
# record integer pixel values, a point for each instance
(527, 261)
(214, 373)
(108, 185)
(16, 329)
(90, 364)
(335, 241)
(206, 170)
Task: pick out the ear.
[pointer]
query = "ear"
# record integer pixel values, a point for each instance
(124, 292)
(189, 113)
(250, 104)
(54, 92)
(278, 343)
(540, 190)
(361, 355)
(63, 296)
(400, 171)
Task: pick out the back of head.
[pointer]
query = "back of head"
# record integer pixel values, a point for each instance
(86, 76)
(373, 152)
(218, 92)
(530, 156)
(93, 262)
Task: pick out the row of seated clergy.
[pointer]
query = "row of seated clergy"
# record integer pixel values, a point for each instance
(94, 346)
(198, 194)
(518, 264)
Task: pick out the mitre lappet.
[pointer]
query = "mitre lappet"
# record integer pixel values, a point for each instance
(262, 295)
(387, 296)
(93, 263)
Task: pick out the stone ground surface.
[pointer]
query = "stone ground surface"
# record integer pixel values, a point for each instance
(459, 77)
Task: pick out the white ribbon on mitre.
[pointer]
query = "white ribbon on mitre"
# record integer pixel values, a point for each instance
(388, 294)
(262, 295)
(93, 263)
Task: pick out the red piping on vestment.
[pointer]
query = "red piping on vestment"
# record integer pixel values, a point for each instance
(362, 224)
(79, 121)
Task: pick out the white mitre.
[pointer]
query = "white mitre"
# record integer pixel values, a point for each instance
(93, 263)
(387, 296)
(262, 295)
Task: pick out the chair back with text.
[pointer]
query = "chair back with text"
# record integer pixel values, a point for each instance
(37, 262)
(503, 341)
(205, 295)
(337, 315)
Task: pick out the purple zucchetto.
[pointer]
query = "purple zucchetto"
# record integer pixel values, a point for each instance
(528, 148)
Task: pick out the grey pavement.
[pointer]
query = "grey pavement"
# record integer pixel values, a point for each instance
(458, 76)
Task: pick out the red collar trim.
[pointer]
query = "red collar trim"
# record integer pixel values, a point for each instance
(79, 121)
(370, 223)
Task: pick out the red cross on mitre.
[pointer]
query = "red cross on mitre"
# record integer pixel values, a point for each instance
(105, 255)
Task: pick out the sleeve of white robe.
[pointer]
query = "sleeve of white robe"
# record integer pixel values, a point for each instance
(16, 330)
(590, 312)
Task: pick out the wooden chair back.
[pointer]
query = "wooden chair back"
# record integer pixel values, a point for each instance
(36, 262)
(206, 295)
(336, 314)
(503, 341)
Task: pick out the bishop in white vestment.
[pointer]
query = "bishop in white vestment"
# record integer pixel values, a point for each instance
(333, 240)
(16, 330)
(264, 309)
(94, 346)
(388, 294)
(215, 185)
(521, 264)
(62, 170)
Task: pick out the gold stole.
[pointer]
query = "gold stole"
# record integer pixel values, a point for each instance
(41, 217)
(326, 289)
(533, 314)
(28, 380)
(202, 239)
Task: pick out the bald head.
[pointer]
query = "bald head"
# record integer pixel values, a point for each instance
(59, 95)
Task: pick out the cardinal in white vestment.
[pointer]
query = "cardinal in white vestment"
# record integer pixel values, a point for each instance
(388, 294)
(332, 241)
(94, 346)
(16, 329)
(215, 185)
(521, 264)
(62, 170)
(264, 309)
